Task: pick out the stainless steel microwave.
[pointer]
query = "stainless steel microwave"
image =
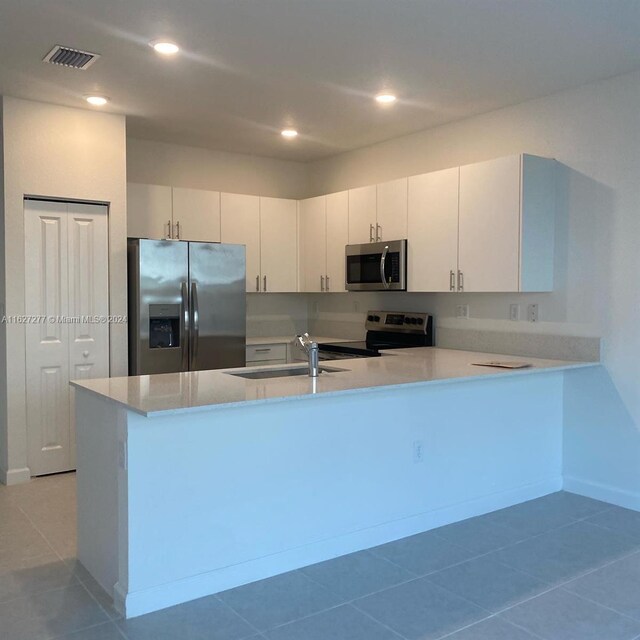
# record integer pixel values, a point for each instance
(376, 266)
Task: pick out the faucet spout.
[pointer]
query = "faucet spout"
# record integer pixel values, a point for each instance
(310, 347)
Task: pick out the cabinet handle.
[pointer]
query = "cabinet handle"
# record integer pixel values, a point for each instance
(327, 283)
(378, 233)
(263, 350)
(452, 280)
(178, 229)
(257, 283)
(460, 281)
(168, 228)
(265, 283)
(321, 283)
(371, 233)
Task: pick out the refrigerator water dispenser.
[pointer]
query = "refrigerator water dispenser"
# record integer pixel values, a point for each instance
(164, 326)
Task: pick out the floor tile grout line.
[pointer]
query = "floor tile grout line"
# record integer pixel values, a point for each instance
(600, 604)
(228, 606)
(491, 617)
(64, 636)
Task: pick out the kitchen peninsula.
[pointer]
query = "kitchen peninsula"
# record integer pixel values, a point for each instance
(192, 483)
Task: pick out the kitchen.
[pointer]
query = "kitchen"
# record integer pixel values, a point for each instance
(53, 148)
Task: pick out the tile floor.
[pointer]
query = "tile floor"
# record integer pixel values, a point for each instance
(562, 567)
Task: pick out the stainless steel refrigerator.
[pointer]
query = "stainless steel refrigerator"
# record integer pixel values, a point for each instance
(187, 306)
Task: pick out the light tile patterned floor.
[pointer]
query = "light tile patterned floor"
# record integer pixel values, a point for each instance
(562, 567)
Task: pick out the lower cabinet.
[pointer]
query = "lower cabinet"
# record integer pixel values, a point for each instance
(262, 354)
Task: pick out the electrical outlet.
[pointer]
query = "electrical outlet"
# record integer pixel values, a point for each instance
(418, 451)
(532, 313)
(514, 312)
(356, 306)
(462, 311)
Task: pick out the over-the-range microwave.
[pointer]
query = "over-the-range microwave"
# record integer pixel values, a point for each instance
(376, 266)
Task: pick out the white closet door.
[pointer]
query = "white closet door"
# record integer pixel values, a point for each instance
(66, 276)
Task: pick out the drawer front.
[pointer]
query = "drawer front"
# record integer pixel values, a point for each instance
(260, 352)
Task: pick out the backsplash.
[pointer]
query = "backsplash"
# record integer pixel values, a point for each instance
(276, 314)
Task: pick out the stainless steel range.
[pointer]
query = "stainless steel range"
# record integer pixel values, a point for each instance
(385, 330)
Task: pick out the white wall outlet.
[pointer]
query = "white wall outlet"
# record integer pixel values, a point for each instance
(418, 451)
(462, 311)
(532, 313)
(514, 312)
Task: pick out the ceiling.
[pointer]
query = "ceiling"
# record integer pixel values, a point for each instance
(248, 68)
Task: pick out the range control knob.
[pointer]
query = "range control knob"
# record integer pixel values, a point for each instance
(407, 321)
(376, 318)
(420, 320)
(414, 321)
(370, 318)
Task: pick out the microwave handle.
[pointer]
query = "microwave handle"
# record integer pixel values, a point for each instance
(383, 259)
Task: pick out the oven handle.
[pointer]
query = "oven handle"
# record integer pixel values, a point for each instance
(383, 259)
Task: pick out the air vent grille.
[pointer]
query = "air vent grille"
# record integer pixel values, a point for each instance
(68, 57)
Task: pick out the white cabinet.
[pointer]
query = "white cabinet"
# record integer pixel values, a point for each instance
(260, 354)
(324, 232)
(432, 246)
(155, 211)
(378, 212)
(362, 215)
(240, 224)
(268, 228)
(149, 211)
(391, 210)
(278, 244)
(196, 215)
(506, 225)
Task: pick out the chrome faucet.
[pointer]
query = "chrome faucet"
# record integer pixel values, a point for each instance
(310, 347)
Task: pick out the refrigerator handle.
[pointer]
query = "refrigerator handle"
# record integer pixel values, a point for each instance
(185, 329)
(195, 325)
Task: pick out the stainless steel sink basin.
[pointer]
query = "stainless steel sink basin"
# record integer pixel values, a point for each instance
(280, 373)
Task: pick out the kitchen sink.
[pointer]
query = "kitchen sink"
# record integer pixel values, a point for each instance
(280, 373)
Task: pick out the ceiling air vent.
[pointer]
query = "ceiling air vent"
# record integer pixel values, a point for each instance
(68, 57)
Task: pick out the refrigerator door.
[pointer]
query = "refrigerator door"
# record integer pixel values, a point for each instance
(158, 306)
(218, 305)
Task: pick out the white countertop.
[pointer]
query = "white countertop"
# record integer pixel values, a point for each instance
(288, 339)
(200, 390)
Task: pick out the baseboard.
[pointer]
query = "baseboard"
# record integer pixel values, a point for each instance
(15, 476)
(598, 491)
(137, 603)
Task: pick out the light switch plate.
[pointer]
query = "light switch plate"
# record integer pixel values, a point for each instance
(532, 313)
(462, 311)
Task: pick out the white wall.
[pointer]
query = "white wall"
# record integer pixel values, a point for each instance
(180, 166)
(594, 131)
(66, 153)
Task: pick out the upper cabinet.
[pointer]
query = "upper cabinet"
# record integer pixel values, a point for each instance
(268, 228)
(160, 212)
(432, 246)
(324, 234)
(278, 244)
(149, 211)
(196, 215)
(485, 227)
(506, 225)
(378, 213)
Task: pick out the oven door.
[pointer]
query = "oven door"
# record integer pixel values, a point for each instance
(377, 266)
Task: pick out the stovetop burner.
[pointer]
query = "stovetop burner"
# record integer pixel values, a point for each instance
(385, 330)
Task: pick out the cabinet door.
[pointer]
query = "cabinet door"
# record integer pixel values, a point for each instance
(392, 210)
(490, 225)
(240, 224)
(362, 214)
(279, 244)
(196, 215)
(313, 243)
(337, 238)
(432, 235)
(148, 211)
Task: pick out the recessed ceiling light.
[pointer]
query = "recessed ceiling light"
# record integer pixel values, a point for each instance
(97, 101)
(289, 133)
(385, 98)
(165, 47)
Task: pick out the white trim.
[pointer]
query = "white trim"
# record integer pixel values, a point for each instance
(140, 602)
(604, 492)
(15, 476)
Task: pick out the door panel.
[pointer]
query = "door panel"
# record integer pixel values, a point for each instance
(47, 344)
(391, 210)
(433, 231)
(148, 211)
(490, 225)
(313, 243)
(240, 224)
(197, 212)
(337, 239)
(217, 285)
(362, 214)
(279, 244)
